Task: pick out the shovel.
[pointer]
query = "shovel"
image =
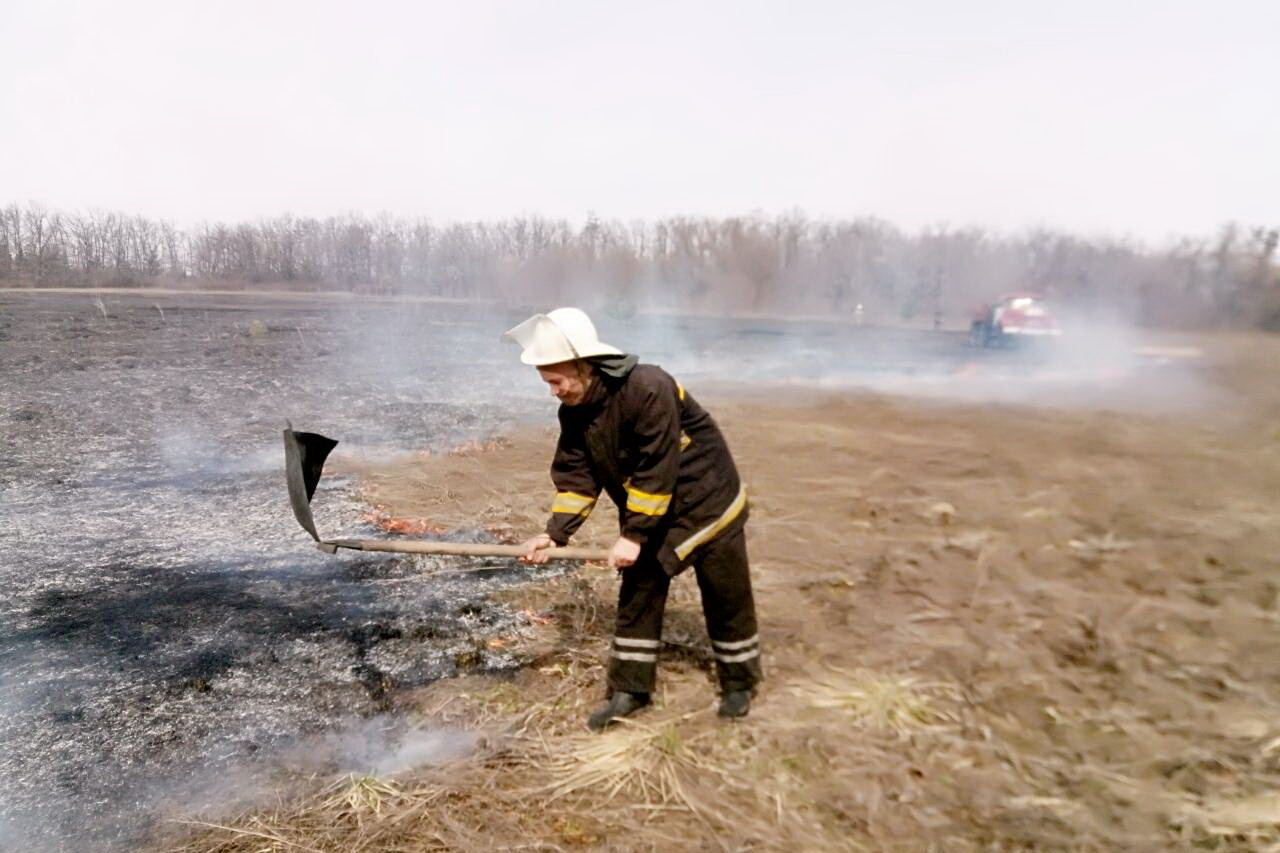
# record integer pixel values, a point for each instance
(304, 455)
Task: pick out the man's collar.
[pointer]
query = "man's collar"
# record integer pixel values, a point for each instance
(614, 366)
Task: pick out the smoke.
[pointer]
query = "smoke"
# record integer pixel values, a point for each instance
(191, 457)
(380, 746)
(9, 836)
(446, 361)
(1098, 361)
(436, 370)
(383, 747)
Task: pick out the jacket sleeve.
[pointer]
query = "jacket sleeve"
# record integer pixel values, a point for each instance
(656, 436)
(576, 487)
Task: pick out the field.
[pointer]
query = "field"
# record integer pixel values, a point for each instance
(987, 626)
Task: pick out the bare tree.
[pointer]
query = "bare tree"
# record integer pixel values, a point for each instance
(784, 264)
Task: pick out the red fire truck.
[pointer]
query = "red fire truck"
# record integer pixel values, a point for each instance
(1012, 318)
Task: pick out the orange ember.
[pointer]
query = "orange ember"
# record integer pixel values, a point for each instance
(395, 524)
(535, 617)
(472, 447)
(504, 533)
(476, 446)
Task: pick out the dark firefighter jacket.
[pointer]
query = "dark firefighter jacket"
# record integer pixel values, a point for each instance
(639, 437)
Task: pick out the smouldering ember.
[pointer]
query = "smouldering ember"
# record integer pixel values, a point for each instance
(472, 447)
(344, 463)
(543, 618)
(402, 524)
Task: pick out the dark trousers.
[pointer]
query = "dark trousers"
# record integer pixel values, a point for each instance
(725, 583)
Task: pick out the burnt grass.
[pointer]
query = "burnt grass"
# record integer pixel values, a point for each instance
(165, 626)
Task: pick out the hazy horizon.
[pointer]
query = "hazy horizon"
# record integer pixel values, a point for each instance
(1148, 121)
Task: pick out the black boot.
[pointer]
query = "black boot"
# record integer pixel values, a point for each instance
(620, 704)
(735, 703)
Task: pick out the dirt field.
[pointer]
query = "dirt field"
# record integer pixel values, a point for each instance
(986, 628)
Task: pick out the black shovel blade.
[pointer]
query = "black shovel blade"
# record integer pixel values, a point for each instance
(304, 455)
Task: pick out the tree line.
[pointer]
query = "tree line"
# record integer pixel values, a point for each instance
(790, 264)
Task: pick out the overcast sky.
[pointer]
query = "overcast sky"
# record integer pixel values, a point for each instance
(1143, 119)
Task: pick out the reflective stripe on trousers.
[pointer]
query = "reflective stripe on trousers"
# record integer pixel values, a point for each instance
(727, 605)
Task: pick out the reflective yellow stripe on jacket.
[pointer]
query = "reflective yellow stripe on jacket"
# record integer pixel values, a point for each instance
(573, 503)
(706, 534)
(643, 502)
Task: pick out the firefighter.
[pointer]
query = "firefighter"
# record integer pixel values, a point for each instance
(633, 432)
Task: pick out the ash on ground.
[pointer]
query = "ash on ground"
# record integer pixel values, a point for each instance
(165, 621)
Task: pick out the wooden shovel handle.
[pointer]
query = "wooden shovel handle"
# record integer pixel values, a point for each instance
(458, 549)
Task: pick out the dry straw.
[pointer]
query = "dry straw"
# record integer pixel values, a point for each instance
(895, 704)
(646, 763)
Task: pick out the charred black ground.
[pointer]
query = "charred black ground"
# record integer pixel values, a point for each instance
(164, 620)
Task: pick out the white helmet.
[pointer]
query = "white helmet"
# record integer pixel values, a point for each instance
(564, 334)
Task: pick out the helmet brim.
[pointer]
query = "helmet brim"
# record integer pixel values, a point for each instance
(543, 343)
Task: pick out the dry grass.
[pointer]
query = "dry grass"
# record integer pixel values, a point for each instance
(899, 705)
(641, 762)
(352, 813)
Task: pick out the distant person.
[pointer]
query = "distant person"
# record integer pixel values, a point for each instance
(632, 431)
